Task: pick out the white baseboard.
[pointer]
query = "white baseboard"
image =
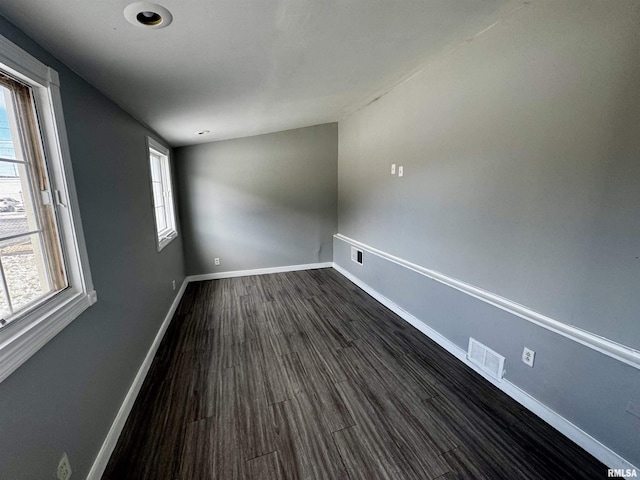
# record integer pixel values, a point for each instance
(109, 444)
(573, 432)
(606, 346)
(580, 437)
(111, 440)
(258, 271)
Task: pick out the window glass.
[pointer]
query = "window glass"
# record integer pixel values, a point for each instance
(45, 279)
(6, 141)
(164, 213)
(31, 266)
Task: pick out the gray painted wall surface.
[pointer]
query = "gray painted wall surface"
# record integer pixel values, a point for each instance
(258, 202)
(521, 152)
(66, 396)
(586, 387)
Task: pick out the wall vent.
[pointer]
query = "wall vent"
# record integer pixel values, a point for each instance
(356, 255)
(485, 358)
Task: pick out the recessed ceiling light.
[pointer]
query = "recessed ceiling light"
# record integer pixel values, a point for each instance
(203, 132)
(149, 18)
(147, 15)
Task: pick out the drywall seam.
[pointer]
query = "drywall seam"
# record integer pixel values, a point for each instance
(506, 12)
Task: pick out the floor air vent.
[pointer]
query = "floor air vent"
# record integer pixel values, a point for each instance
(485, 358)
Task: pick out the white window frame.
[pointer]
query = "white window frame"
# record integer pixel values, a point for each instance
(164, 237)
(25, 335)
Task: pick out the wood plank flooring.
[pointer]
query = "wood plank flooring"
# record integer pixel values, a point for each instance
(302, 375)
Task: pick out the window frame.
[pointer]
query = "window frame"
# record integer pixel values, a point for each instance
(164, 237)
(24, 336)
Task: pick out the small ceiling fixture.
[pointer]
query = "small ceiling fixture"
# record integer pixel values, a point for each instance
(203, 132)
(147, 15)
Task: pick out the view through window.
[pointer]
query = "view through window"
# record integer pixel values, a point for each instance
(162, 193)
(31, 266)
(45, 277)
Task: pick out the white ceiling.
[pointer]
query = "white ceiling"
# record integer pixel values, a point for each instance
(246, 67)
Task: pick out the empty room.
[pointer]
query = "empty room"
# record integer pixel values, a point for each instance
(318, 239)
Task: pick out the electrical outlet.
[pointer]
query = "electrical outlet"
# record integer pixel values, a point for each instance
(216, 261)
(173, 284)
(401, 171)
(393, 169)
(63, 471)
(527, 356)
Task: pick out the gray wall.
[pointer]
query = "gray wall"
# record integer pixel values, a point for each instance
(258, 202)
(587, 388)
(66, 396)
(521, 156)
(521, 152)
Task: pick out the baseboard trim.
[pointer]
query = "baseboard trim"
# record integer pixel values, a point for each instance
(622, 353)
(564, 426)
(258, 271)
(109, 444)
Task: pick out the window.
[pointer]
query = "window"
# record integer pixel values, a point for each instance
(161, 182)
(45, 281)
(31, 266)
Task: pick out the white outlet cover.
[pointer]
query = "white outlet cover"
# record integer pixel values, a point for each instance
(63, 472)
(528, 356)
(401, 171)
(393, 169)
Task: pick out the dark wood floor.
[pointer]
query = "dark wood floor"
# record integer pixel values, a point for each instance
(304, 376)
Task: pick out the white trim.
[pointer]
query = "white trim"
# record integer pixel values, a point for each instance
(29, 332)
(24, 65)
(577, 435)
(171, 232)
(564, 426)
(109, 444)
(622, 353)
(258, 271)
(22, 343)
(64, 181)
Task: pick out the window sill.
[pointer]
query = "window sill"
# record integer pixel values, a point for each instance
(167, 240)
(18, 342)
